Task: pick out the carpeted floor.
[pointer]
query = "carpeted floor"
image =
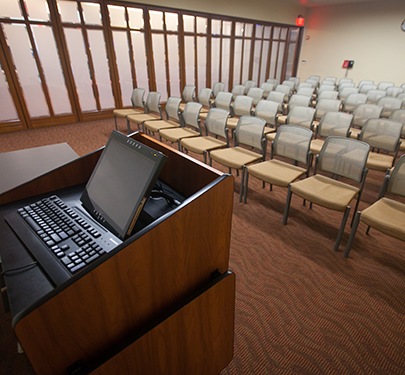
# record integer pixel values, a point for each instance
(301, 308)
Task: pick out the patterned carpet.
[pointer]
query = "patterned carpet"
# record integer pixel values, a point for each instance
(301, 308)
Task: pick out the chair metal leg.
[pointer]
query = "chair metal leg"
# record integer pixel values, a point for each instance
(115, 120)
(352, 234)
(246, 186)
(205, 157)
(128, 127)
(242, 181)
(287, 205)
(342, 228)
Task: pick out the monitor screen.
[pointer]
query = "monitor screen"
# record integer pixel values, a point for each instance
(121, 183)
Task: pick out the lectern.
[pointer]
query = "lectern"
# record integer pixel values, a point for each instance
(161, 303)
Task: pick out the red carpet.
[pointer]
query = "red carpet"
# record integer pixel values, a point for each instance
(301, 308)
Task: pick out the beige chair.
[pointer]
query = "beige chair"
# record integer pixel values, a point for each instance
(190, 125)
(326, 87)
(374, 95)
(330, 79)
(300, 116)
(344, 80)
(393, 91)
(188, 95)
(304, 85)
(327, 94)
(290, 84)
(399, 115)
(387, 215)
(346, 91)
(296, 99)
(347, 85)
(331, 124)
(204, 97)
(248, 85)
(401, 96)
(307, 91)
(365, 82)
(267, 88)
(384, 85)
(250, 133)
(256, 93)
(273, 81)
(326, 105)
(268, 111)
(285, 89)
(217, 87)
(360, 115)
(153, 112)
(237, 90)
(315, 78)
(215, 126)
(296, 81)
(242, 106)
(138, 106)
(222, 100)
(172, 117)
(352, 101)
(389, 105)
(383, 136)
(340, 157)
(292, 143)
(277, 97)
(363, 89)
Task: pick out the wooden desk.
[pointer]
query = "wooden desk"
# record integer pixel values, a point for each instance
(152, 277)
(19, 167)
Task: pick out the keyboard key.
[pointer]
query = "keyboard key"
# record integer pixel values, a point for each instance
(31, 222)
(94, 257)
(78, 267)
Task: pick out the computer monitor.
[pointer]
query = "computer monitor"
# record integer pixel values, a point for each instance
(121, 183)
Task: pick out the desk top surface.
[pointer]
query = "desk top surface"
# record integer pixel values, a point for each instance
(19, 167)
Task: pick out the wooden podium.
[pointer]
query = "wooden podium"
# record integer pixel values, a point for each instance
(161, 303)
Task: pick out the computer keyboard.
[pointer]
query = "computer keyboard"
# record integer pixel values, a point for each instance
(72, 239)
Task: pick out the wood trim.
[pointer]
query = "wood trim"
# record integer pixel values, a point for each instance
(209, 320)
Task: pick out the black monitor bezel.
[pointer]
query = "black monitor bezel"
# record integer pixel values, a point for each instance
(97, 212)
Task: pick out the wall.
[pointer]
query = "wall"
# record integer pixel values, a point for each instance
(368, 33)
(281, 11)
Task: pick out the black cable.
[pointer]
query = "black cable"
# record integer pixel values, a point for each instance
(19, 268)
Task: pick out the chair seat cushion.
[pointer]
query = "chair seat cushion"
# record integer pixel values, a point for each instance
(139, 119)
(235, 157)
(379, 162)
(203, 115)
(156, 125)
(276, 172)
(387, 216)
(126, 112)
(201, 144)
(325, 192)
(282, 119)
(232, 122)
(316, 146)
(174, 134)
(354, 133)
(270, 136)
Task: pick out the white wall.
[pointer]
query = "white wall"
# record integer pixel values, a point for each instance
(368, 33)
(281, 11)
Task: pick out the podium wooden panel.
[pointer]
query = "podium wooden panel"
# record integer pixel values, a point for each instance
(143, 278)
